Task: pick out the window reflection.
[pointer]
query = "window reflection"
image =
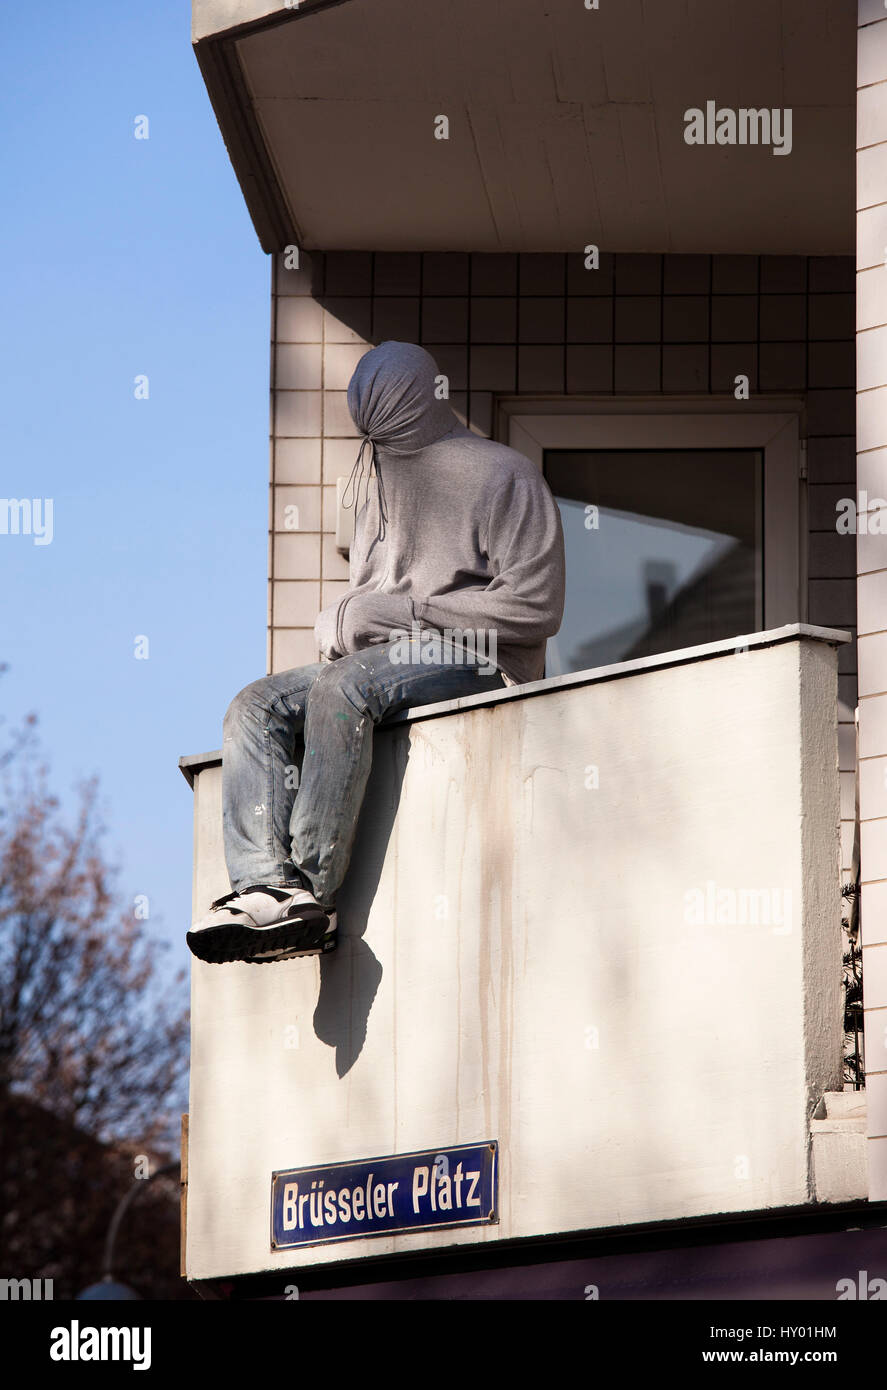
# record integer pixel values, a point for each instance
(663, 551)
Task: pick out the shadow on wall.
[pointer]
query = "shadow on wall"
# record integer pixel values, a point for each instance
(350, 976)
(386, 304)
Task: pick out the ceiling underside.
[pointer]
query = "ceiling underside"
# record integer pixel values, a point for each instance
(566, 125)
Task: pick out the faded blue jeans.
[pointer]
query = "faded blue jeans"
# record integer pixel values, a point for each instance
(275, 819)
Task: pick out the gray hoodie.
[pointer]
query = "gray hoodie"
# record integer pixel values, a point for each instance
(460, 533)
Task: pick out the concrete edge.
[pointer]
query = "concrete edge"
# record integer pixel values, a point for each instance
(191, 764)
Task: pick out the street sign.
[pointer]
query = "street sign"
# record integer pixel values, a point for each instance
(428, 1190)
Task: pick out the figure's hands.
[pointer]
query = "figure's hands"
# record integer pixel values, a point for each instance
(369, 619)
(325, 632)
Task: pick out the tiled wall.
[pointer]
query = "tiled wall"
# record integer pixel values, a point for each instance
(545, 324)
(871, 282)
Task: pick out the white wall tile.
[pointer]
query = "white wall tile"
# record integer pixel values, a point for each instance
(871, 419)
(872, 472)
(873, 914)
(873, 736)
(336, 331)
(297, 461)
(292, 280)
(871, 548)
(296, 556)
(298, 367)
(299, 321)
(335, 566)
(336, 415)
(871, 115)
(876, 1097)
(871, 236)
(296, 602)
(876, 1150)
(872, 843)
(293, 647)
(339, 362)
(871, 591)
(873, 787)
(875, 977)
(871, 46)
(871, 176)
(871, 290)
(297, 413)
(871, 358)
(869, 12)
(332, 591)
(306, 517)
(329, 510)
(872, 652)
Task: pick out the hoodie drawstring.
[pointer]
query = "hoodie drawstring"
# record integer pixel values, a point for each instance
(374, 466)
(358, 462)
(383, 509)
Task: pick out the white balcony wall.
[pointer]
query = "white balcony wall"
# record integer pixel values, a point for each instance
(599, 923)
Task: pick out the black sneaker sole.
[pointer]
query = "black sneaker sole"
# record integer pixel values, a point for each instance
(305, 936)
(322, 948)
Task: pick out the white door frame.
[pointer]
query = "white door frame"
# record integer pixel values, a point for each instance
(773, 425)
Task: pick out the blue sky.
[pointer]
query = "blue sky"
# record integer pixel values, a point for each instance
(125, 257)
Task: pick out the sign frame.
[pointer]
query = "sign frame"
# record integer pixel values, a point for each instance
(489, 1149)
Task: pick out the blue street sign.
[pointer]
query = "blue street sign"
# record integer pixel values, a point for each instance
(376, 1196)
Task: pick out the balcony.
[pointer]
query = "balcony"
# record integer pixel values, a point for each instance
(595, 919)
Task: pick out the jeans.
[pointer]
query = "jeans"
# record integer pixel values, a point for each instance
(279, 823)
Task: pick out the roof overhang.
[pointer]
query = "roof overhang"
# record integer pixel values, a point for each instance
(566, 125)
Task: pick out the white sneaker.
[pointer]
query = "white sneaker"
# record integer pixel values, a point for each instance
(262, 923)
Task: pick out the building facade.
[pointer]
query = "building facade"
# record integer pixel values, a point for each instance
(628, 242)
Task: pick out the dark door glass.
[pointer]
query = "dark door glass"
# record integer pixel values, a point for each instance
(664, 550)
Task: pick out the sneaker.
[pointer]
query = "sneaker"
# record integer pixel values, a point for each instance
(328, 942)
(262, 923)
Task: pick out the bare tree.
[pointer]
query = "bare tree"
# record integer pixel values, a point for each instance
(93, 1042)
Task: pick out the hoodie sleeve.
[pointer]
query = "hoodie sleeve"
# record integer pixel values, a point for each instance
(325, 626)
(359, 620)
(524, 602)
(366, 619)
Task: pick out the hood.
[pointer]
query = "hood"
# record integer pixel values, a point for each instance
(391, 398)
